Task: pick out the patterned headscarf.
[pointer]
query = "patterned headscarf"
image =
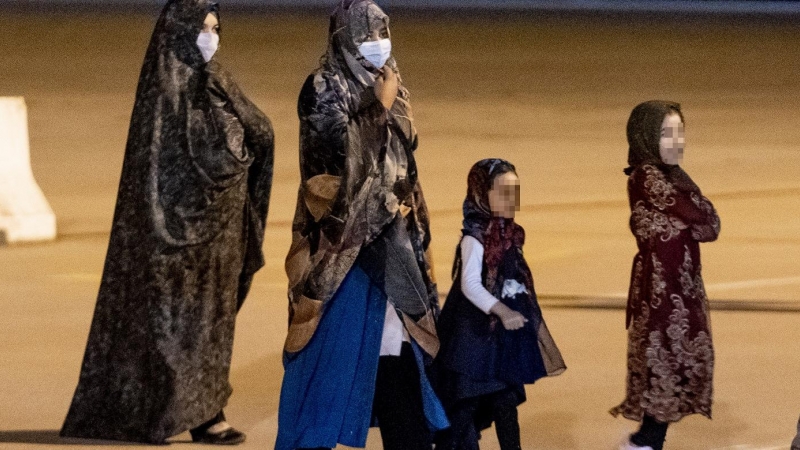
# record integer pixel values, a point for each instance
(477, 213)
(352, 22)
(644, 136)
(175, 35)
(498, 235)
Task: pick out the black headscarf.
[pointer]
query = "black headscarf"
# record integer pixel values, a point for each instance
(644, 136)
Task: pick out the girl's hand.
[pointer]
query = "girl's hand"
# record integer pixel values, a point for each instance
(386, 87)
(511, 319)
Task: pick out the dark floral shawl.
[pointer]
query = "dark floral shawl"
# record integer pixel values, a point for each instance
(358, 176)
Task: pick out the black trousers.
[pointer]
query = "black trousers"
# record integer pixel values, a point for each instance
(652, 433)
(463, 435)
(398, 403)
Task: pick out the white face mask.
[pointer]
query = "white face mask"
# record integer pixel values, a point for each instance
(376, 52)
(208, 44)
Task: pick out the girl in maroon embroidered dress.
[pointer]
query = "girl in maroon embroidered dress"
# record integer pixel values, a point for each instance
(670, 354)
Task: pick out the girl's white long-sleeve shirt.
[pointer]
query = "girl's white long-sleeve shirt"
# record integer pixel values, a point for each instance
(471, 283)
(471, 269)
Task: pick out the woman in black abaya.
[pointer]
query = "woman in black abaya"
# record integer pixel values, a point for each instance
(185, 243)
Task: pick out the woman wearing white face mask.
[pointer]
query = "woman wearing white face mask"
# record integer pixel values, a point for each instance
(362, 298)
(208, 39)
(185, 243)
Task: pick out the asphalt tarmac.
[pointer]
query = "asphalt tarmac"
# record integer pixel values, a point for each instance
(551, 93)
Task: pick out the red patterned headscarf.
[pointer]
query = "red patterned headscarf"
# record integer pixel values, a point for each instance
(498, 235)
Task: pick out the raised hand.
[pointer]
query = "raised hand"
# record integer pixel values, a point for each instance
(386, 87)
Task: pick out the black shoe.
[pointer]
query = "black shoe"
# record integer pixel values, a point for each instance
(231, 436)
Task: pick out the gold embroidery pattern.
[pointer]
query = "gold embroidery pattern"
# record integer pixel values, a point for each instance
(691, 281)
(708, 232)
(670, 352)
(637, 367)
(680, 369)
(659, 285)
(698, 202)
(687, 281)
(681, 358)
(636, 293)
(647, 224)
(659, 191)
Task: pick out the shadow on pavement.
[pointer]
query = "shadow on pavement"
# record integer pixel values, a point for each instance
(51, 437)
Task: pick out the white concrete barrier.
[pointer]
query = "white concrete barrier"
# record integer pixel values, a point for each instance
(25, 214)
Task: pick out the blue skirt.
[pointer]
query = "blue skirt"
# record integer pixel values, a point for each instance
(328, 388)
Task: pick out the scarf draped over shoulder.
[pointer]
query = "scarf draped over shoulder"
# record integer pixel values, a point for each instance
(358, 175)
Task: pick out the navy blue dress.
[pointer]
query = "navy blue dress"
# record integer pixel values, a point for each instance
(479, 357)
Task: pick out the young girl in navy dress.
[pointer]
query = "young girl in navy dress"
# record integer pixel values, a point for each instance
(494, 340)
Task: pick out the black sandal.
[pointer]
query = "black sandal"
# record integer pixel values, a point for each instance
(231, 436)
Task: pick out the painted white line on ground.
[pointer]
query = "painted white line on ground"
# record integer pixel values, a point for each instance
(732, 285)
(762, 282)
(750, 447)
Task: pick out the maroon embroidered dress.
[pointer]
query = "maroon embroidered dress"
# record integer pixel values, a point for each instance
(670, 354)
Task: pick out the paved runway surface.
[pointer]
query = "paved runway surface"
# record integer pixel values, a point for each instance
(550, 93)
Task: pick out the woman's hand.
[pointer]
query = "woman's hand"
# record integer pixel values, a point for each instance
(511, 319)
(386, 87)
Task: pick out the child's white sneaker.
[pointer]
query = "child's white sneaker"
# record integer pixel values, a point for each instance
(627, 445)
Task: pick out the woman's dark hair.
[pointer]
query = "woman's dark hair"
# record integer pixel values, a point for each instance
(213, 8)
